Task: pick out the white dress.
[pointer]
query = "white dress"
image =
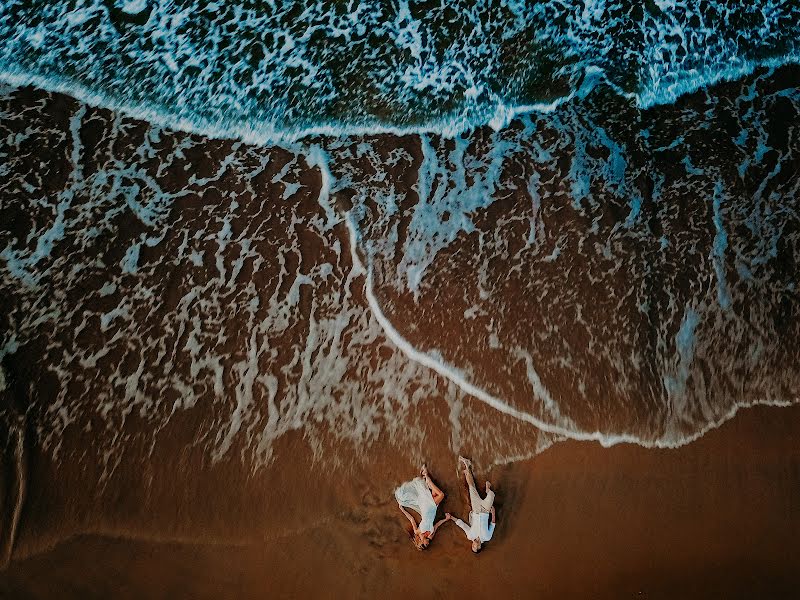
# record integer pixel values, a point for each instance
(415, 495)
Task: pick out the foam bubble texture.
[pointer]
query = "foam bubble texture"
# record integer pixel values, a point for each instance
(265, 72)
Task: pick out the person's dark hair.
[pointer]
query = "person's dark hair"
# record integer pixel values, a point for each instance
(418, 542)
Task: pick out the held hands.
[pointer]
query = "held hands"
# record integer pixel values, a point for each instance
(448, 516)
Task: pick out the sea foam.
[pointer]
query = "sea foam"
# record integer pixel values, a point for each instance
(278, 73)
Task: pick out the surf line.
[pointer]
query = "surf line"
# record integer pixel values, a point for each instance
(428, 361)
(605, 440)
(497, 114)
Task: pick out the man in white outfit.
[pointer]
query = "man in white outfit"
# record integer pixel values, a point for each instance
(482, 514)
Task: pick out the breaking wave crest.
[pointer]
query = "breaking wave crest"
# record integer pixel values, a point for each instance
(277, 71)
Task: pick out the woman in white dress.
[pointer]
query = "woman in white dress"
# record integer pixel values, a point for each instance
(423, 496)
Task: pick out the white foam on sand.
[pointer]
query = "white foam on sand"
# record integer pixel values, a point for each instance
(434, 362)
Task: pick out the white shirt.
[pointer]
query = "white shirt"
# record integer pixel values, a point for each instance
(479, 527)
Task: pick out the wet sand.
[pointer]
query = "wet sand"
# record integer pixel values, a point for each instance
(717, 518)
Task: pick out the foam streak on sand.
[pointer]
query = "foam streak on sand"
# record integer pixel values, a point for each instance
(432, 360)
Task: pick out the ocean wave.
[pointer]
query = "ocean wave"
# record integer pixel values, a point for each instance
(276, 72)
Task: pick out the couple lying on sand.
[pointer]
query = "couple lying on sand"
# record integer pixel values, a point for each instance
(424, 497)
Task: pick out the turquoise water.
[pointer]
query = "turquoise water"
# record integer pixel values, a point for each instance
(264, 71)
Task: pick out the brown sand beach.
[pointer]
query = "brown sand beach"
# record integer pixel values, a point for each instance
(715, 519)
